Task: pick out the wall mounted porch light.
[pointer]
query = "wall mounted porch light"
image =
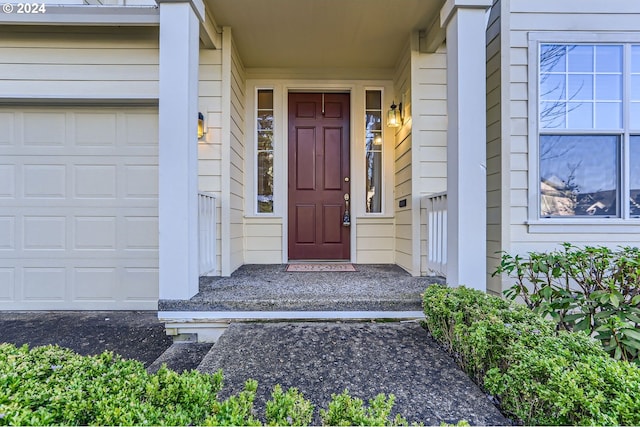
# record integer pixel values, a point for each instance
(201, 127)
(394, 116)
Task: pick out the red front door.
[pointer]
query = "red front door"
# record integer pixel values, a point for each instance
(318, 176)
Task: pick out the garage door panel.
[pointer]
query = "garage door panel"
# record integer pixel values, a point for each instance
(140, 283)
(7, 233)
(7, 283)
(141, 181)
(141, 233)
(44, 283)
(78, 208)
(95, 181)
(45, 181)
(96, 129)
(95, 232)
(45, 233)
(95, 283)
(141, 129)
(7, 181)
(44, 128)
(7, 136)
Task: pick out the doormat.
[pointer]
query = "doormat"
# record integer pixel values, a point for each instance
(302, 268)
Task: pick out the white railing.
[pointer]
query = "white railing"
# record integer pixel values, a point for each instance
(207, 233)
(436, 207)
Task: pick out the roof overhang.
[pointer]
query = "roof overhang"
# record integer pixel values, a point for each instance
(324, 34)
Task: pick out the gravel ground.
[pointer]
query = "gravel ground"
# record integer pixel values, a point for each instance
(132, 334)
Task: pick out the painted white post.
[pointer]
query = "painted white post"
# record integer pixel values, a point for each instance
(465, 22)
(178, 158)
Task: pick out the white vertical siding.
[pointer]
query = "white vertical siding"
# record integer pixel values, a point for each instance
(81, 63)
(586, 16)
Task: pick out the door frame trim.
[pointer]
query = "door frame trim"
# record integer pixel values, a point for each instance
(282, 85)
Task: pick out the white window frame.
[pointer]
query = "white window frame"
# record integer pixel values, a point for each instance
(384, 211)
(536, 223)
(252, 154)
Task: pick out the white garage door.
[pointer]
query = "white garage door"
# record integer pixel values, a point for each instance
(78, 208)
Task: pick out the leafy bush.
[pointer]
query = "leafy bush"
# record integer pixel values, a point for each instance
(594, 289)
(345, 410)
(54, 386)
(288, 409)
(476, 327)
(567, 380)
(539, 376)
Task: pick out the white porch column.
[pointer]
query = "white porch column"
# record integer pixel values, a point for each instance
(465, 23)
(178, 141)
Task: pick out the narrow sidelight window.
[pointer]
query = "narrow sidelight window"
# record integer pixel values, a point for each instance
(265, 151)
(373, 150)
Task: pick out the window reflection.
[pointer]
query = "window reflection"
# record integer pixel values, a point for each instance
(578, 175)
(634, 176)
(581, 86)
(634, 112)
(264, 170)
(373, 150)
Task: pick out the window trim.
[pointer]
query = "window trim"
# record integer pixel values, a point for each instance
(536, 223)
(383, 149)
(253, 212)
(256, 152)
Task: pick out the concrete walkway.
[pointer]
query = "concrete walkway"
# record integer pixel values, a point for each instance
(365, 358)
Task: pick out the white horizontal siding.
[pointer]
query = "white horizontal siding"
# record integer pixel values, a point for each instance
(495, 195)
(263, 240)
(375, 240)
(236, 201)
(84, 63)
(210, 147)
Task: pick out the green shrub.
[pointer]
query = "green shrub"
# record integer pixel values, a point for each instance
(594, 289)
(539, 376)
(345, 410)
(50, 385)
(54, 386)
(567, 380)
(476, 327)
(288, 409)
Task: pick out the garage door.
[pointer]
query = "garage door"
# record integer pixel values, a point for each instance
(78, 208)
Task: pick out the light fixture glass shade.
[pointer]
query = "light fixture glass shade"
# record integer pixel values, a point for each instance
(200, 125)
(393, 117)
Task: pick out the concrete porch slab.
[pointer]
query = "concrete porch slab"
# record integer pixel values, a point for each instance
(270, 293)
(377, 287)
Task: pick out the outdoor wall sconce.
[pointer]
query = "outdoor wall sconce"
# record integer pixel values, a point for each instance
(394, 117)
(201, 127)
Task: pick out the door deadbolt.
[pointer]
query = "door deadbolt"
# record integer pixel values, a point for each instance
(346, 179)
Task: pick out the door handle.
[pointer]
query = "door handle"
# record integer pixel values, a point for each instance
(346, 218)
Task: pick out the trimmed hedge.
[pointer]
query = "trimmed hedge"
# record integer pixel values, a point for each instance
(55, 386)
(539, 376)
